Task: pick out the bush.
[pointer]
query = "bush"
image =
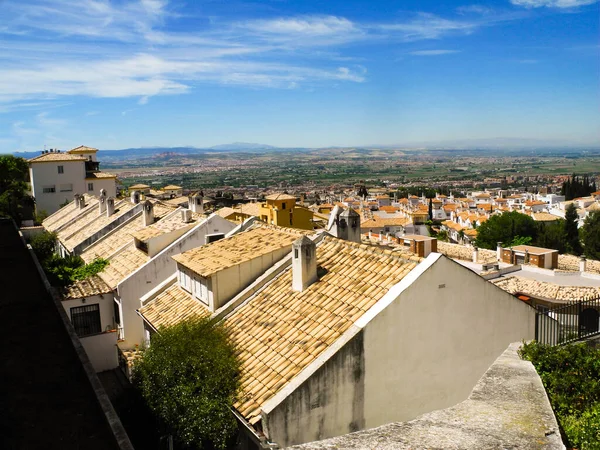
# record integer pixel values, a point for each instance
(571, 376)
(189, 377)
(44, 245)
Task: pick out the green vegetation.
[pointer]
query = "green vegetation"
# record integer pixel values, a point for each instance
(508, 228)
(571, 376)
(571, 231)
(189, 378)
(553, 235)
(591, 235)
(577, 187)
(60, 271)
(14, 200)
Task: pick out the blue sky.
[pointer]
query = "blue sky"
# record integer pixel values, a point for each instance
(116, 74)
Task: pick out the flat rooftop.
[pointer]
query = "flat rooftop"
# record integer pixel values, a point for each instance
(47, 399)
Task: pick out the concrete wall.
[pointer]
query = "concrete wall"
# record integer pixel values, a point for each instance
(444, 331)
(108, 184)
(30, 232)
(46, 174)
(102, 350)
(424, 351)
(154, 272)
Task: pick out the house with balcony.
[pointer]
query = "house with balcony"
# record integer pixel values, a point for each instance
(56, 176)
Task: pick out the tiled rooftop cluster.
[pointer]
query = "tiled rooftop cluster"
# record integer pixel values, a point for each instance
(171, 307)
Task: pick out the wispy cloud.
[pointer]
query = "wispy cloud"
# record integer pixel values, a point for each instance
(433, 52)
(564, 4)
(98, 48)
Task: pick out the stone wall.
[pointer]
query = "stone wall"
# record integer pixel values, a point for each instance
(571, 263)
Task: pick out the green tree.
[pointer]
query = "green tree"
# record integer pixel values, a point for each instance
(189, 377)
(14, 199)
(505, 228)
(571, 231)
(591, 235)
(553, 236)
(44, 246)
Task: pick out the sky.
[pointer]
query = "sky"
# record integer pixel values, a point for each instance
(297, 73)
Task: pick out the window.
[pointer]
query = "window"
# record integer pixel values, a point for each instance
(283, 206)
(201, 289)
(89, 158)
(66, 188)
(90, 187)
(86, 319)
(61, 169)
(48, 189)
(185, 281)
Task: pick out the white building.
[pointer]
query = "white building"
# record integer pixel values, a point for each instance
(55, 176)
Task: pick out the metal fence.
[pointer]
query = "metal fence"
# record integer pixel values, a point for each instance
(567, 323)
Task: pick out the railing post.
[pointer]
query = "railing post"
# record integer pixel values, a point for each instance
(578, 320)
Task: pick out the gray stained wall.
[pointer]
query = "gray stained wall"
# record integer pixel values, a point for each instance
(425, 351)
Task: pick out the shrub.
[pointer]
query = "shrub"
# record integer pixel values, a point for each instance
(571, 376)
(44, 245)
(189, 377)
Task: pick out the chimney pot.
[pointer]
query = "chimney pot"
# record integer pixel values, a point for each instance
(304, 263)
(110, 206)
(148, 213)
(135, 197)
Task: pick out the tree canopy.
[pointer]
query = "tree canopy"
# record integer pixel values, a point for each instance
(591, 235)
(578, 186)
(13, 187)
(553, 236)
(189, 377)
(571, 231)
(506, 228)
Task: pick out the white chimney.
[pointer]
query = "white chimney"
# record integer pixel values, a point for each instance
(148, 213)
(351, 231)
(102, 201)
(135, 197)
(110, 206)
(196, 203)
(582, 264)
(76, 200)
(475, 254)
(304, 263)
(499, 251)
(81, 202)
(186, 215)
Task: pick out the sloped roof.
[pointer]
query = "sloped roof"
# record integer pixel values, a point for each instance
(546, 290)
(280, 197)
(93, 285)
(56, 157)
(99, 175)
(123, 264)
(216, 256)
(171, 187)
(279, 331)
(171, 307)
(83, 149)
(139, 186)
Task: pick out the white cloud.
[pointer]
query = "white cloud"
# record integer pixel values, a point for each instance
(98, 48)
(433, 52)
(552, 3)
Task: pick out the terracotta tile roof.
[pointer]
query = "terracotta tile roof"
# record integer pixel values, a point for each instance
(171, 223)
(82, 149)
(139, 186)
(450, 207)
(378, 222)
(63, 212)
(177, 201)
(593, 207)
(472, 233)
(279, 331)
(56, 157)
(250, 209)
(453, 225)
(280, 197)
(534, 203)
(116, 239)
(390, 209)
(171, 187)
(89, 224)
(219, 255)
(99, 175)
(72, 215)
(172, 306)
(93, 285)
(533, 250)
(545, 290)
(544, 217)
(123, 264)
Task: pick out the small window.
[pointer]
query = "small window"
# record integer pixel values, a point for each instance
(90, 187)
(61, 169)
(89, 158)
(283, 206)
(66, 188)
(86, 320)
(48, 189)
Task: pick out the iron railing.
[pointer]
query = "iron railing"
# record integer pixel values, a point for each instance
(568, 323)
